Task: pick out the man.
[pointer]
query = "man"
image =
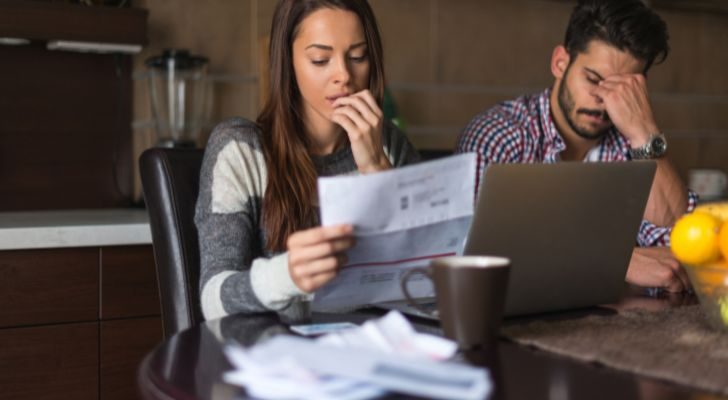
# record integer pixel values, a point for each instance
(598, 110)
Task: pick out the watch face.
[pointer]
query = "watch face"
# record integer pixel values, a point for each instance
(658, 146)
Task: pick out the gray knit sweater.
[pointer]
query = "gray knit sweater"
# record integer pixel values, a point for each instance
(237, 273)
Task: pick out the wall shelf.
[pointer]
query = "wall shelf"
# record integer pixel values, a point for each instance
(45, 21)
(709, 6)
(66, 115)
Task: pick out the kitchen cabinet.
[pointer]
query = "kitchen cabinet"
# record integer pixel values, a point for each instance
(79, 315)
(65, 136)
(46, 21)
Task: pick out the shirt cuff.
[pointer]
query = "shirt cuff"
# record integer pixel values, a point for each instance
(651, 235)
(692, 201)
(272, 283)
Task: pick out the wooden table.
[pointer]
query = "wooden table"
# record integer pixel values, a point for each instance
(190, 364)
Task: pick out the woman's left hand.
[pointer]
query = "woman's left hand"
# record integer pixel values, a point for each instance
(361, 118)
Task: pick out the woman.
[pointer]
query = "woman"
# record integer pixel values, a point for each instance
(257, 215)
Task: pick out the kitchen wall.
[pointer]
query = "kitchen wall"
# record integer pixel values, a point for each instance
(447, 60)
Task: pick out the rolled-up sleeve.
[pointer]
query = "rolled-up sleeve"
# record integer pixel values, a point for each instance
(651, 235)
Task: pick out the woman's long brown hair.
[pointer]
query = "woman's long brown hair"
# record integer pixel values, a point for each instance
(288, 203)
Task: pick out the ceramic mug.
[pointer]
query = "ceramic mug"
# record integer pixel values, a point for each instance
(471, 294)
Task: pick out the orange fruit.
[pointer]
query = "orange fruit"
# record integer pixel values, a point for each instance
(719, 210)
(694, 239)
(723, 240)
(711, 276)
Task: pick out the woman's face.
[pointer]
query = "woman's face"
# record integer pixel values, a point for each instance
(330, 60)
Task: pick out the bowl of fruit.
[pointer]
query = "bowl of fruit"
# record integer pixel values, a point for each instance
(699, 240)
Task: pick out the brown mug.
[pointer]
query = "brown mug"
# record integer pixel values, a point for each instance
(471, 295)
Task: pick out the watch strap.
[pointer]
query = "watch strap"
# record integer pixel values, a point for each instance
(647, 151)
(640, 153)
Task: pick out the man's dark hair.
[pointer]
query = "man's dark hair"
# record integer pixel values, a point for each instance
(628, 25)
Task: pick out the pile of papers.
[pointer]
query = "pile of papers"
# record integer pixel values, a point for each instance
(380, 356)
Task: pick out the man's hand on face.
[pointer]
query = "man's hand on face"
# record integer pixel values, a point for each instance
(627, 103)
(656, 267)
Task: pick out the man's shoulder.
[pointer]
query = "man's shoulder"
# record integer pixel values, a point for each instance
(507, 117)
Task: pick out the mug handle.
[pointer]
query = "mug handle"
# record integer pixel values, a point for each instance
(403, 284)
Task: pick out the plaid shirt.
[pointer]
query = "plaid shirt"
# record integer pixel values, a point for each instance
(522, 131)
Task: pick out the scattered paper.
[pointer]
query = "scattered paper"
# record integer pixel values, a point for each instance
(393, 334)
(380, 356)
(321, 329)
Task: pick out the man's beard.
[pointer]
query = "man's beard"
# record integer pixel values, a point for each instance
(566, 102)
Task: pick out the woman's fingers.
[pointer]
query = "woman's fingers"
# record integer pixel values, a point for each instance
(312, 275)
(366, 95)
(345, 122)
(313, 283)
(315, 255)
(361, 125)
(325, 265)
(324, 249)
(360, 117)
(362, 107)
(318, 235)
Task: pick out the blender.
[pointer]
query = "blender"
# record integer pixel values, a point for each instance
(177, 90)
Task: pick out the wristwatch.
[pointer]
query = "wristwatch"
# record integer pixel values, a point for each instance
(655, 147)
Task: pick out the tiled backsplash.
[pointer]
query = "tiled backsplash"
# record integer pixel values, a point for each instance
(447, 60)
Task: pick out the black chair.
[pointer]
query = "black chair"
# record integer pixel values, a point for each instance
(170, 181)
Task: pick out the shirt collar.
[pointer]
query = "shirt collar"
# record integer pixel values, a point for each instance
(554, 143)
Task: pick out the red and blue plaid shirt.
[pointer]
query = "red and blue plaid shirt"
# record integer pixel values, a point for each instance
(522, 131)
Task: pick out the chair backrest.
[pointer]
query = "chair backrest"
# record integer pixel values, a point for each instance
(170, 181)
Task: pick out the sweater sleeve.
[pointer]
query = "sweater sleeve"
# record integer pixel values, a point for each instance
(235, 276)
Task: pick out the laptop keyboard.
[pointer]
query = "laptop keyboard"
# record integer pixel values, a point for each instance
(429, 307)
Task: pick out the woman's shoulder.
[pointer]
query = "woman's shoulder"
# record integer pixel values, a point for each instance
(234, 130)
(235, 144)
(233, 169)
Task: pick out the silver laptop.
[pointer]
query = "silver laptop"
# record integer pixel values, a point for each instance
(568, 228)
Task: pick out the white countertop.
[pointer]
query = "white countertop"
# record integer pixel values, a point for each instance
(73, 228)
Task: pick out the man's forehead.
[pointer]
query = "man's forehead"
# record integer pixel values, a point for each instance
(606, 60)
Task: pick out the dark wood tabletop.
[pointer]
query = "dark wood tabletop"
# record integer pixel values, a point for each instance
(190, 364)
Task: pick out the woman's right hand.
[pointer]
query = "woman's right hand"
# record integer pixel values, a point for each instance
(315, 255)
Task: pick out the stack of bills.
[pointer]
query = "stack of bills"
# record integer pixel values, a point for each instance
(384, 355)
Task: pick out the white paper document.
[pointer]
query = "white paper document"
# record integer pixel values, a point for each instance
(383, 355)
(402, 219)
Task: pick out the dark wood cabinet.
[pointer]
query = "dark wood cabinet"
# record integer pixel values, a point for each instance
(128, 282)
(66, 116)
(50, 362)
(76, 323)
(124, 343)
(48, 286)
(72, 320)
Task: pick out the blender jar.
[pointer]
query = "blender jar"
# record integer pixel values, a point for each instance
(177, 90)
